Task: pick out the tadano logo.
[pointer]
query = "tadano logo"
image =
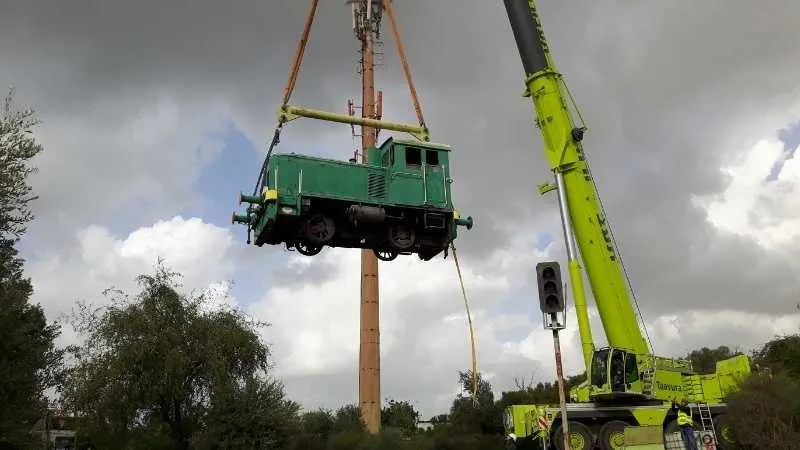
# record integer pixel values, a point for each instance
(668, 387)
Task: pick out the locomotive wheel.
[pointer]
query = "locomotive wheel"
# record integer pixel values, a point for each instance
(385, 255)
(307, 249)
(320, 229)
(401, 236)
(612, 435)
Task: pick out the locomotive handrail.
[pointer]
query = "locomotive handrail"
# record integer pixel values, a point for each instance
(291, 112)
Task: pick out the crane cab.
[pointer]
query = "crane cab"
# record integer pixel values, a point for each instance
(614, 374)
(620, 374)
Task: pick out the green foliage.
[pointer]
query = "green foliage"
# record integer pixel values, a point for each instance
(394, 441)
(400, 415)
(161, 371)
(780, 355)
(474, 412)
(348, 420)
(765, 414)
(324, 428)
(255, 415)
(17, 148)
(28, 357)
(704, 360)
(542, 393)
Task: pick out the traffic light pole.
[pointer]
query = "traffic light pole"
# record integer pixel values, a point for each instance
(552, 304)
(561, 396)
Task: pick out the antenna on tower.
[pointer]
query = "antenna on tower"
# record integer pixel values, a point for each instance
(366, 17)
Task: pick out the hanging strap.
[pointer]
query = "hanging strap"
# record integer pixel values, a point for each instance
(290, 84)
(301, 48)
(471, 330)
(387, 5)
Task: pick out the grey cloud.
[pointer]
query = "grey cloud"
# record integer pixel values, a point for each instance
(424, 377)
(670, 92)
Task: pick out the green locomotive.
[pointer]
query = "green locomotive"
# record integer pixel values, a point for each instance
(397, 203)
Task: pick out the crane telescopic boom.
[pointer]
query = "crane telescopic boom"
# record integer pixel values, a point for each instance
(582, 214)
(626, 383)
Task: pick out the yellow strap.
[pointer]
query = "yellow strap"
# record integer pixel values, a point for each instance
(471, 330)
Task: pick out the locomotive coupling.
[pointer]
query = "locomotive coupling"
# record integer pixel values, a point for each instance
(464, 222)
(253, 199)
(240, 218)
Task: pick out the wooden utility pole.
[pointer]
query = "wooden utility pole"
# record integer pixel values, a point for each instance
(366, 20)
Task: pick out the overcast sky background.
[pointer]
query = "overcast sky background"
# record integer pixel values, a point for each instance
(155, 115)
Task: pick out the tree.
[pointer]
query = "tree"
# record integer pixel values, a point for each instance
(400, 415)
(348, 420)
(17, 148)
(780, 355)
(160, 370)
(317, 424)
(543, 393)
(255, 415)
(475, 412)
(704, 360)
(765, 414)
(28, 357)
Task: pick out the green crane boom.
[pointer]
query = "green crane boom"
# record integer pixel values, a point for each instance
(582, 214)
(626, 384)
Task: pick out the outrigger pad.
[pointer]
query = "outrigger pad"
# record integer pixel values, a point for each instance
(308, 203)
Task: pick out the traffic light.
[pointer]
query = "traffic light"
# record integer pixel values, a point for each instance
(551, 294)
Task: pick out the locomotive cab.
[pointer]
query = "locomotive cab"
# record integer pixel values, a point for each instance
(419, 172)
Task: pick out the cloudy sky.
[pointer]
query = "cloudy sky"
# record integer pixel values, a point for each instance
(155, 116)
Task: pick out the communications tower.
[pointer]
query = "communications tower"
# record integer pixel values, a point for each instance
(367, 15)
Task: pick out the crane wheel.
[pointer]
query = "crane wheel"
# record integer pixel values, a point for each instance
(722, 430)
(580, 437)
(612, 435)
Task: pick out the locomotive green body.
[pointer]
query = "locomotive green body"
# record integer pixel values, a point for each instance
(398, 203)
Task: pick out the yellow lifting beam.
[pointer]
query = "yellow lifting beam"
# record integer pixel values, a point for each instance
(291, 112)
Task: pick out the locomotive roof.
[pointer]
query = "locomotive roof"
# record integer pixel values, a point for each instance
(387, 142)
(414, 143)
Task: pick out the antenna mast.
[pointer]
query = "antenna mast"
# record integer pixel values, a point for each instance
(367, 15)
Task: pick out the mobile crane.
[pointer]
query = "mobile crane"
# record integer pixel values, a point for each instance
(626, 384)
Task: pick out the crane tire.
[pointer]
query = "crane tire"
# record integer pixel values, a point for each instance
(612, 435)
(722, 430)
(580, 437)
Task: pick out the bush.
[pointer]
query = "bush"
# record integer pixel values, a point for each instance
(765, 414)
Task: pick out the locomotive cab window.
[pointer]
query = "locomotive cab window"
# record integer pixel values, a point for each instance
(413, 157)
(432, 157)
